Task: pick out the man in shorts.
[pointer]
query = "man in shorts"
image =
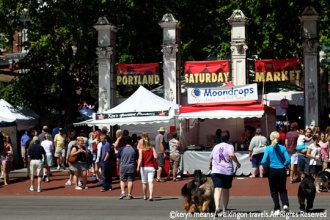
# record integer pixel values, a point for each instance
(60, 147)
(35, 154)
(127, 157)
(160, 150)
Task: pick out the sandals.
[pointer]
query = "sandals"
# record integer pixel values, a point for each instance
(175, 180)
(160, 180)
(293, 181)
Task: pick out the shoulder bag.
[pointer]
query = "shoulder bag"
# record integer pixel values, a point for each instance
(286, 165)
(73, 158)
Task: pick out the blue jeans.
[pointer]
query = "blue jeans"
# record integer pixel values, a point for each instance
(106, 174)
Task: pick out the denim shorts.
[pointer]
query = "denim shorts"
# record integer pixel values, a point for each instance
(222, 181)
(256, 159)
(303, 163)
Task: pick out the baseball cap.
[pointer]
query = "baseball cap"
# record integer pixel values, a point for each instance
(45, 127)
(60, 129)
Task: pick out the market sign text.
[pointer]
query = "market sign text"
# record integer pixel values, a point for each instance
(138, 74)
(277, 70)
(206, 71)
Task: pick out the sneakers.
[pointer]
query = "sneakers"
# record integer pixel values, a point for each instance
(110, 187)
(277, 212)
(47, 179)
(78, 188)
(31, 188)
(39, 189)
(44, 177)
(130, 196)
(79, 183)
(122, 195)
(286, 208)
(68, 183)
(318, 190)
(58, 168)
(102, 190)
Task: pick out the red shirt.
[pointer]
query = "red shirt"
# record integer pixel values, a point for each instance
(292, 137)
(147, 158)
(282, 138)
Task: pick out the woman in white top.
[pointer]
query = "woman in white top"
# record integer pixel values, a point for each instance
(47, 144)
(315, 163)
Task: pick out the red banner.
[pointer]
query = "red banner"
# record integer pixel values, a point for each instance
(138, 74)
(277, 70)
(206, 71)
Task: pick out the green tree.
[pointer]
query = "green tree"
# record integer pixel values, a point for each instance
(55, 74)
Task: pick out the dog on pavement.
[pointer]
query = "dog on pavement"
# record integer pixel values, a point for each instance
(306, 191)
(198, 194)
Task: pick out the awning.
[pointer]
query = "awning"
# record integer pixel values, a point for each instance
(246, 109)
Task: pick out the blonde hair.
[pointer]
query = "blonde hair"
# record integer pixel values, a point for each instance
(119, 133)
(146, 144)
(144, 135)
(80, 139)
(274, 137)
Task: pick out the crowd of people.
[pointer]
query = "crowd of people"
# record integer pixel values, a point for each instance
(80, 153)
(296, 153)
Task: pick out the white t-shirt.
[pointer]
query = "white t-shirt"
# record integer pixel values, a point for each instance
(301, 140)
(48, 146)
(98, 155)
(315, 152)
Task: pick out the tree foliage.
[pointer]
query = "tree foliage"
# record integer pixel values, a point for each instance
(55, 74)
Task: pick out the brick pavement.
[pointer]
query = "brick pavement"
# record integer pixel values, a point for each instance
(242, 186)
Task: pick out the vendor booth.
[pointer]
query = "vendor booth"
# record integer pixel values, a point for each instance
(13, 120)
(199, 121)
(142, 107)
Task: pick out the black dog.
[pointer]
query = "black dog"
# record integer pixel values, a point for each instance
(198, 194)
(307, 192)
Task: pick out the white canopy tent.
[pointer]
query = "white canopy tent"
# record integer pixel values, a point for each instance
(12, 120)
(142, 107)
(10, 114)
(274, 99)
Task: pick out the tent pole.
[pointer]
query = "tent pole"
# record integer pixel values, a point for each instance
(267, 125)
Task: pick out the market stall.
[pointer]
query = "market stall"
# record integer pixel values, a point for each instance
(142, 107)
(199, 121)
(13, 120)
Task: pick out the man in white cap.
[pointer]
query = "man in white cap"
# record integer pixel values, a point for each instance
(35, 154)
(160, 150)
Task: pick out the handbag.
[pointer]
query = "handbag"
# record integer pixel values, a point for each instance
(73, 158)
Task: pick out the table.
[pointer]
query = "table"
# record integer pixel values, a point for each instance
(200, 160)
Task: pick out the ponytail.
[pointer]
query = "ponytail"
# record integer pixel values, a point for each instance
(274, 137)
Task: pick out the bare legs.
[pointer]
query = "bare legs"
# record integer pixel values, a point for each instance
(129, 187)
(159, 172)
(6, 168)
(217, 198)
(151, 190)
